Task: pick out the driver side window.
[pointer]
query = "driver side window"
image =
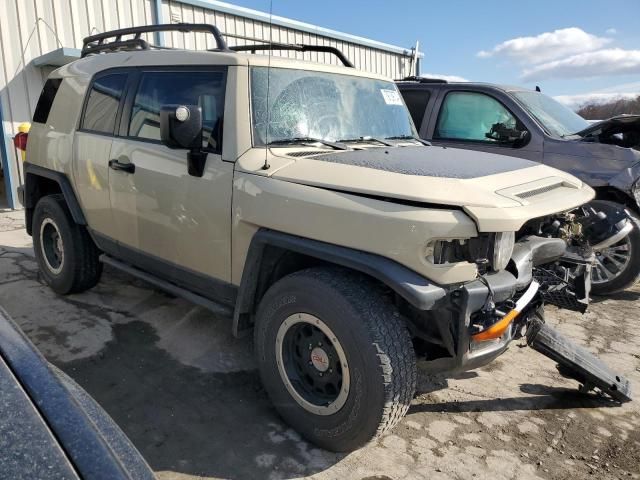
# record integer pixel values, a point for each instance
(182, 87)
(474, 117)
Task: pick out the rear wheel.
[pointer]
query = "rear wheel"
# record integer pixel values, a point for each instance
(66, 254)
(335, 357)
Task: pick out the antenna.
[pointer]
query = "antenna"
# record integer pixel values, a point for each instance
(414, 67)
(266, 165)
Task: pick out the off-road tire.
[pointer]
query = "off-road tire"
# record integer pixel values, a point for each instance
(374, 338)
(81, 268)
(631, 272)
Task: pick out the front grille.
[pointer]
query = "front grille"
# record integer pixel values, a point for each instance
(558, 291)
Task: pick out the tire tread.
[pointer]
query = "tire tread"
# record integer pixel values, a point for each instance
(387, 329)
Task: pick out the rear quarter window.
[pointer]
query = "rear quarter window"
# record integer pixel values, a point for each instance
(102, 103)
(45, 102)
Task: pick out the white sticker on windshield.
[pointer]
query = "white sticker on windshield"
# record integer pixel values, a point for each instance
(391, 97)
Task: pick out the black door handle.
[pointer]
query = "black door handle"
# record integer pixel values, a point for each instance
(122, 167)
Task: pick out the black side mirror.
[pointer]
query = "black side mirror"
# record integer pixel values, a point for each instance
(522, 140)
(181, 127)
(508, 136)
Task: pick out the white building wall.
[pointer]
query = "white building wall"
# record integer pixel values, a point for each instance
(31, 28)
(376, 60)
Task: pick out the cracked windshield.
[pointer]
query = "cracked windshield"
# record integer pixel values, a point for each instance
(326, 106)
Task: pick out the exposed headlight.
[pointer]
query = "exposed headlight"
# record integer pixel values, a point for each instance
(502, 249)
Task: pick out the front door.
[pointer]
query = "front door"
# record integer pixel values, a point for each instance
(478, 121)
(167, 221)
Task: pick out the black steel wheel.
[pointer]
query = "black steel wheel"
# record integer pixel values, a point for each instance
(51, 245)
(312, 364)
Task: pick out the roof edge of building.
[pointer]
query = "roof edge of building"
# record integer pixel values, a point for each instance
(296, 25)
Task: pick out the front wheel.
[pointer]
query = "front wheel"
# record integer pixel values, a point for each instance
(617, 267)
(335, 357)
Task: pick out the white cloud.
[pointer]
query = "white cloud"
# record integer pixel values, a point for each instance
(448, 78)
(611, 31)
(613, 61)
(547, 46)
(576, 101)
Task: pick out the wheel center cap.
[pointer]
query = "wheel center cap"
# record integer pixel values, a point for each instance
(320, 359)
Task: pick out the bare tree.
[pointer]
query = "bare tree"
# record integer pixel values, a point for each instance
(601, 111)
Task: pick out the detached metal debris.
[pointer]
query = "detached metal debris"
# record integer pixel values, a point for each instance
(576, 362)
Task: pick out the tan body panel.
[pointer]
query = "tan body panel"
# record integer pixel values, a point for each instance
(398, 232)
(91, 177)
(512, 219)
(164, 212)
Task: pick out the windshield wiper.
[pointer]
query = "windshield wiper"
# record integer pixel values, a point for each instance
(409, 137)
(367, 139)
(295, 140)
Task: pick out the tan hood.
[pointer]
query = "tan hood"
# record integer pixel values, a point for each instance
(499, 192)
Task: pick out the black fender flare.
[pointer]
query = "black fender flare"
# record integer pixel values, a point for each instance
(31, 197)
(411, 286)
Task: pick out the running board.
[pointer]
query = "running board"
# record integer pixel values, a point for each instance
(576, 362)
(211, 305)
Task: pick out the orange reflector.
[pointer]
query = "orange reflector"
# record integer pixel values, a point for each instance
(497, 329)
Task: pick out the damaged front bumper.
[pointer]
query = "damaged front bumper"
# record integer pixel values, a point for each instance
(485, 315)
(476, 322)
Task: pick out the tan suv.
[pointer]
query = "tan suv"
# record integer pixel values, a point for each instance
(297, 199)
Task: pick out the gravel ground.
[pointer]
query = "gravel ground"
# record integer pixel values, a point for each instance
(189, 397)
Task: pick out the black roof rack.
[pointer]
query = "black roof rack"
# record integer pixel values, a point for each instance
(422, 80)
(295, 47)
(112, 41)
(98, 43)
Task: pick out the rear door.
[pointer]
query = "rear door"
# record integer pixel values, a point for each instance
(92, 148)
(167, 221)
(476, 120)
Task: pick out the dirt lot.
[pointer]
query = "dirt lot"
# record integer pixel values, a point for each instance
(189, 397)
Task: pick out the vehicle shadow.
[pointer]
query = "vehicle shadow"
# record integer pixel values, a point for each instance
(625, 295)
(188, 421)
(541, 397)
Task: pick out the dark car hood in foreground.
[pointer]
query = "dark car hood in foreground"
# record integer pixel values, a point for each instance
(50, 427)
(623, 130)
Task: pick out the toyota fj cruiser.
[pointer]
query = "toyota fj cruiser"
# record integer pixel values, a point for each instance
(296, 198)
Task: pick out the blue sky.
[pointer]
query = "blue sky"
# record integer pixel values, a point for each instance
(567, 47)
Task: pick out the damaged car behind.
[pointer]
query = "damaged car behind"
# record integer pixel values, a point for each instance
(528, 124)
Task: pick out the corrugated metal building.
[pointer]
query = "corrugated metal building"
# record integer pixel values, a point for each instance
(37, 36)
